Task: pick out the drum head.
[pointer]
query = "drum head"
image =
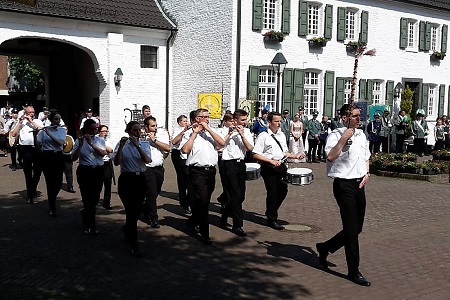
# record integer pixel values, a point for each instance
(252, 167)
(68, 145)
(299, 171)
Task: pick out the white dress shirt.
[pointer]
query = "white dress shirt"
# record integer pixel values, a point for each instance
(88, 156)
(203, 152)
(159, 155)
(47, 144)
(26, 137)
(235, 148)
(266, 145)
(131, 159)
(178, 146)
(351, 163)
(84, 119)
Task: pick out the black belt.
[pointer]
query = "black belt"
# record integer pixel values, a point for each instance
(132, 173)
(353, 179)
(90, 167)
(156, 167)
(233, 160)
(203, 167)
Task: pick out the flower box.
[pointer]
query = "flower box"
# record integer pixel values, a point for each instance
(317, 42)
(430, 172)
(273, 36)
(438, 55)
(352, 46)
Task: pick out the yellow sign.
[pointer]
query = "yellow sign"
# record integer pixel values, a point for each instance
(211, 102)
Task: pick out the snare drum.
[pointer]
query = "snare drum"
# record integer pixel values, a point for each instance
(253, 171)
(299, 176)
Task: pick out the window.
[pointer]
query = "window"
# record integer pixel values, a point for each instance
(347, 90)
(270, 13)
(434, 38)
(412, 37)
(314, 19)
(267, 88)
(377, 92)
(432, 103)
(311, 92)
(149, 57)
(350, 25)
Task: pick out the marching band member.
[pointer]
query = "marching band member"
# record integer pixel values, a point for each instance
(348, 165)
(270, 149)
(179, 161)
(9, 127)
(200, 143)
(26, 131)
(132, 155)
(90, 150)
(238, 141)
(154, 173)
(89, 116)
(227, 124)
(108, 170)
(51, 140)
(260, 124)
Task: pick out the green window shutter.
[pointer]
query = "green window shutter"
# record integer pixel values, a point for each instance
(403, 33)
(425, 92)
(340, 86)
(362, 90)
(257, 21)
(299, 81)
(369, 93)
(444, 38)
(341, 24)
(286, 26)
(328, 33)
(422, 30)
(363, 35)
(329, 93)
(390, 93)
(302, 18)
(441, 99)
(253, 83)
(288, 89)
(428, 37)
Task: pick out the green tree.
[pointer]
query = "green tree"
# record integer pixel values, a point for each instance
(26, 73)
(406, 104)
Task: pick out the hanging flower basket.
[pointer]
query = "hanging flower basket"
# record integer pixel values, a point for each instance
(438, 55)
(273, 36)
(317, 42)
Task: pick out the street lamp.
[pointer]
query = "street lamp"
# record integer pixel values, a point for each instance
(278, 64)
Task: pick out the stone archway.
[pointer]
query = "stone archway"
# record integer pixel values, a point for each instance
(72, 80)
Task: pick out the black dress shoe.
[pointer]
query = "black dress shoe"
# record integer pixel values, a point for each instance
(358, 278)
(154, 223)
(134, 251)
(71, 190)
(30, 201)
(206, 240)
(186, 209)
(223, 221)
(52, 213)
(13, 168)
(275, 225)
(238, 231)
(107, 206)
(91, 231)
(323, 254)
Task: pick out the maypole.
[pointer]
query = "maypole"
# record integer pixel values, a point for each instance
(360, 51)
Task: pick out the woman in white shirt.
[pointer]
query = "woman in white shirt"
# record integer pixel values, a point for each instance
(107, 167)
(51, 140)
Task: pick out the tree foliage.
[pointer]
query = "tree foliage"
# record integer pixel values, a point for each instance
(406, 103)
(28, 76)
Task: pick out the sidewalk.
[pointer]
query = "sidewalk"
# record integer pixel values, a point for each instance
(403, 246)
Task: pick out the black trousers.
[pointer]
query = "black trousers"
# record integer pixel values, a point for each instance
(179, 164)
(52, 167)
(312, 149)
(420, 146)
(90, 181)
(352, 206)
(202, 182)
(107, 182)
(222, 199)
(399, 140)
(321, 149)
(374, 147)
(276, 191)
(13, 153)
(31, 168)
(68, 170)
(384, 144)
(131, 189)
(439, 145)
(154, 179)
(233, 181)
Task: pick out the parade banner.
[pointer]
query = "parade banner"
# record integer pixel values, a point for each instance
(363, 106)
(373, 109)
(249, 106)
(211, 102)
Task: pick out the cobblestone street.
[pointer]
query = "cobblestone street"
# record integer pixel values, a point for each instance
(403, 246)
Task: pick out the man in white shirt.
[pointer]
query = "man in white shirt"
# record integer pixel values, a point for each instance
(9, 127)
(199, 143)
(238, 140)
(348, 156)
(154, 173)
(89, 113)
(27, 128)
(271, 150)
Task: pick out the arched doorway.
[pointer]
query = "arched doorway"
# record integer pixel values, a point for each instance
(71, 82)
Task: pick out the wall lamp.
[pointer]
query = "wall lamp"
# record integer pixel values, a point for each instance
(118, 77)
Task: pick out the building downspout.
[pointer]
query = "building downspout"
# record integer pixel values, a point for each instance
(169, 40)
(238, 53)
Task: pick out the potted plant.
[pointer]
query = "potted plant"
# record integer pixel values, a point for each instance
(406, 157)
(441, 154)
(410, 167)
(273, 36)
(318, 41)
(432, 167)
(353, 45)
(437, 55)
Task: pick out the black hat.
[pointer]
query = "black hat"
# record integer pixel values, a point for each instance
(315, 113)
(301, 108)
(264, 111)
(89, 110)
(285, 111)
(14, 111)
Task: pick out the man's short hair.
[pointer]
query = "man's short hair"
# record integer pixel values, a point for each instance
(272, 114)
(239, 113)
(148, 119)
(145, 107)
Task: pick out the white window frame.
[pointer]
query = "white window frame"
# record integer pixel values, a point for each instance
(271, 15)
(435, 38)
(433, 101)
(318, 23)
(412, 43)
(357, 24)
(348, 90)
(378, 92)
(312, 91)
(267, 88)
